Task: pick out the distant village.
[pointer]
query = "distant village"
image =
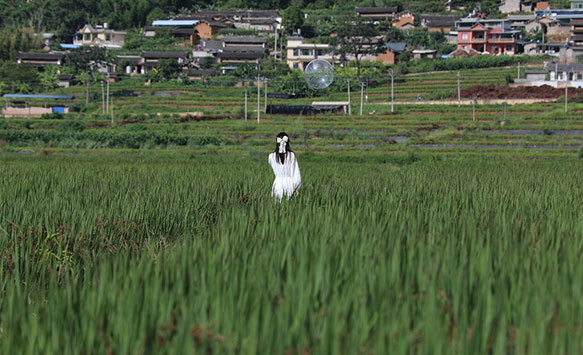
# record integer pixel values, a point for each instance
(212, 37)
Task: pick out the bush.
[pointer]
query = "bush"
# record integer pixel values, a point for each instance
(52, 116)
(70, 126)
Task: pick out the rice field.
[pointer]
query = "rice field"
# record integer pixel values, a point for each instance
(177, 253)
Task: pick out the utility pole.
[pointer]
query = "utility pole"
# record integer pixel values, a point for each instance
(87, 92)
(349, 108)
(474, 109)
(258, 100)
(265, 89)
(102, 100)
(281, 43)
(567, 97)
(518, 75)
(275, 43)
(107, 97)
(459, 97)
(111, 110)
(366, 95)
(392, 97)
(245, 105)
(505, 109)
(361, 96)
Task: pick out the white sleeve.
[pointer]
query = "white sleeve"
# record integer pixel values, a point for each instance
(296, 176)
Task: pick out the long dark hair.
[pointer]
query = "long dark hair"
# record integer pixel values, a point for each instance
(280, 157)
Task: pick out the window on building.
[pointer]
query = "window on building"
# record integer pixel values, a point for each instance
(464, 36)
(509, 48)
(296, 52)
(108, 37)
(307, 52)
(296, 65)
(87, 36)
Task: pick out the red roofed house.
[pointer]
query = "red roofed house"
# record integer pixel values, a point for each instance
(492, 36)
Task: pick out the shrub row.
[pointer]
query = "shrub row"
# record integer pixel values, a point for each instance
(105, 139)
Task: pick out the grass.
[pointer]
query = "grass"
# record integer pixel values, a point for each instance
(150, 253)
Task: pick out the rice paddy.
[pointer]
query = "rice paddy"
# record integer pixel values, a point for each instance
(171, 253)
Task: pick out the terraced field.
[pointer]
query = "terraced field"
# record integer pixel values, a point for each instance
(192, 117)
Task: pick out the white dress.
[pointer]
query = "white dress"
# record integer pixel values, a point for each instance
(287, 175)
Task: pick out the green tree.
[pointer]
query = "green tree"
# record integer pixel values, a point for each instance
(156, 14)
(355, 38)
(19, 78)
(293, 19)
(80, 58)
(49, 78)
(167, 69)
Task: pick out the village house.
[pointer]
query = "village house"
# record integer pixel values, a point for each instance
(34, 105)
(424, 53)
(487, 36)
(150, 59)
(439, 23)
(510, 6)
(377, 14)
(232, 59)
(208, 28)
(128, 63)
(404, 20)
(65, 80)
(241, 15)
(40, 60)
(389, 52)
(100, 36)
(233, 41)
(300, 53)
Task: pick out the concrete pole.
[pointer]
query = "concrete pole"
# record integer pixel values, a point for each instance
(366, 95)
(474, 110)
(459, 97)
(87, 92)
(245, 104)
(392, 93)
(258, 100)
(265, 89)
(567, 97)
(518, 75)
(111, 110)
(361, 96)
(349, 108)
(102, 99)
(107, 97)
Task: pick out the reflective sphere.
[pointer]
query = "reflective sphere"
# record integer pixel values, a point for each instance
(319, 74)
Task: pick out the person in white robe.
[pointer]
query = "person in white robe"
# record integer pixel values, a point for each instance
(284, 163)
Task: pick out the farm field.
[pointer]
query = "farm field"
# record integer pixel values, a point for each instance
(199, 119)
(160, 252)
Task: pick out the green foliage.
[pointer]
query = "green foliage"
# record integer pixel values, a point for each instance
(70, 126)
(272, 68)
(181, 255)
(135, 41)
(237, 32)
(355, 38)
(293, 19)
(14, 40)
(167, 69)
(245, 71)
(49, 78)
(155, 14)
(80, 59)
(18, 78)
(485, 61)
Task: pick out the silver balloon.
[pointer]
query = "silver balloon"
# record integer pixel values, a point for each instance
(319, 74)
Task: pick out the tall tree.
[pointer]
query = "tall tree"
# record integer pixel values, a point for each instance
(355, 38)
